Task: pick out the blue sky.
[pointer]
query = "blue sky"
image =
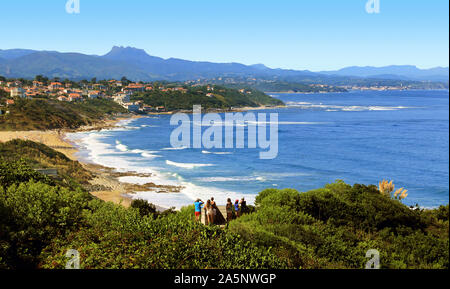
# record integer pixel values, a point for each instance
(297, 34)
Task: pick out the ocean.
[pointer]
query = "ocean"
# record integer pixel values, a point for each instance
(359, 137)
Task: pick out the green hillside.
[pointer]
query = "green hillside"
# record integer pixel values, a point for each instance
(39, 156)
(42, 114)
(220, 97)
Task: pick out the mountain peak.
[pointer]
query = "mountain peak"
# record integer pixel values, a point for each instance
(128, 52)
(259, 66)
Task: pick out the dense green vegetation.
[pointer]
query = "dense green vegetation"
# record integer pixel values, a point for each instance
(220, 97)
(3, 94)
(38, 156)
(42, 218)
(39, 114)
(40, 221)
(335, 226)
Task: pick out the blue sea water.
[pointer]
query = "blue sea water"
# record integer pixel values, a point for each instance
(358, 137)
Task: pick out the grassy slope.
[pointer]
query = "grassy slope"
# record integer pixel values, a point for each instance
(39, 156)
(41, 114)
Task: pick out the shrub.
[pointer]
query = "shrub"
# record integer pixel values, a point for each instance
(17, 171)
(333, 227)
(116, 237)
(33, 215)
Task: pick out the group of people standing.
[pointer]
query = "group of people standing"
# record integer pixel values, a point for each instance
(213, 214)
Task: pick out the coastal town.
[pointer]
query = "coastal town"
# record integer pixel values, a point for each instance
(123, 92)
(119, 91)
(70, 91)
(275, 85)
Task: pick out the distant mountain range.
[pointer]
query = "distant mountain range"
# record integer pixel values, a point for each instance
(137, 65)
(407, 72)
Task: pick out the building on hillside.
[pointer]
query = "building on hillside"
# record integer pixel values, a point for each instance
(94, 94)
(18, 92)
(55, 86)
(30, 93)
(122, 98)
(10, 102)
(160, 108)
(136, 87)
(99, 86)
(63, 98)
(70, 97)
(132, 107)
(75, 96)
(37, 83)
(148, 108)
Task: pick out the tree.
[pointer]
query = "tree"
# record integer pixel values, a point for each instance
(145, 208)
(3, 93)
(42, 79)
(125, 81)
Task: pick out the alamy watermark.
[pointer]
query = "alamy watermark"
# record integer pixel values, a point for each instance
(74, 261)
(373, 6)
(374, 262)
(73, 6)
(187, 136)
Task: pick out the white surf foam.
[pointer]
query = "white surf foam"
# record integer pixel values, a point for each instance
(188, 195)
(308, 105)
(121, 147)
(149, 155)
(287, 123)
(174, 149)
(187, 165)
(232, 179)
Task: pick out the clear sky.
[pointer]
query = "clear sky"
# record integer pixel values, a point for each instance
(297, 34)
